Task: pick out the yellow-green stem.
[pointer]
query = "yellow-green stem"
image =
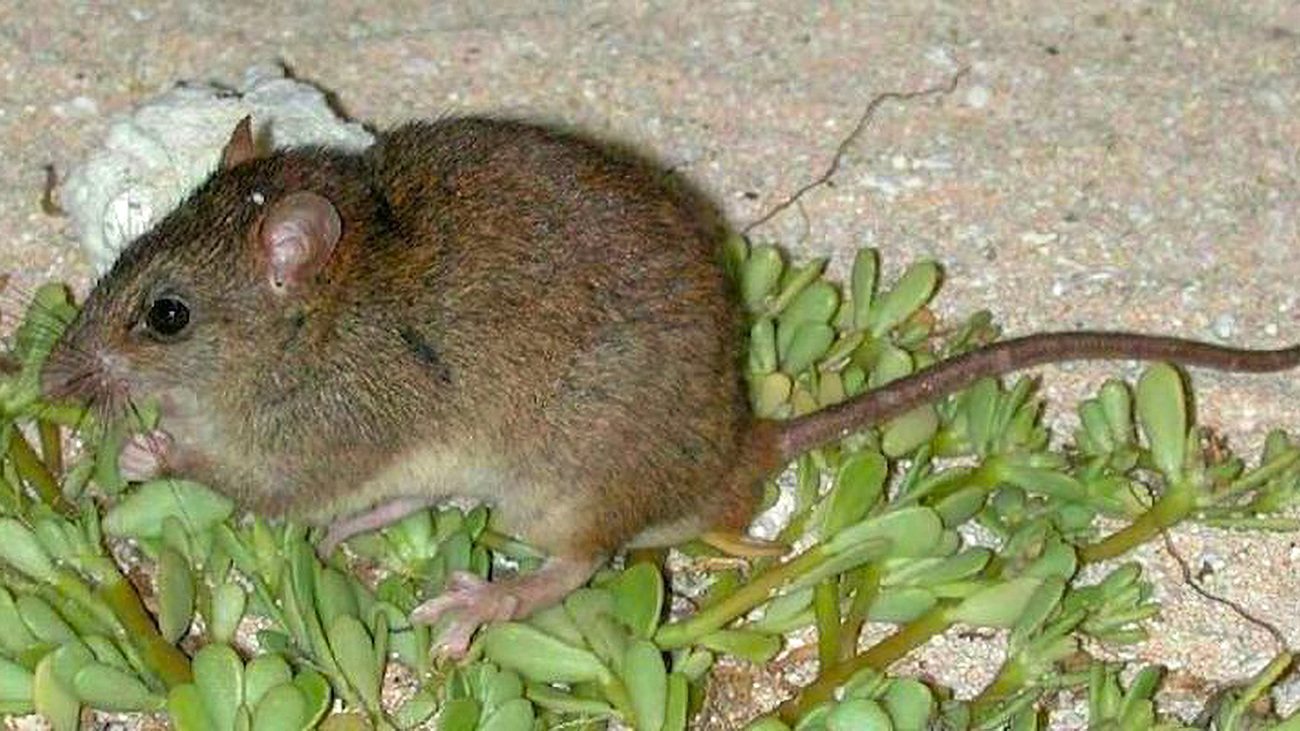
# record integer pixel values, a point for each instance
(1009, 680)
(1257, 476)
(33, 471)
(51, 446)
(1258, 685)
(680, 634)
(880, 656)
(171, 665)
(867, 579)
(826, 605)
(1172, 507)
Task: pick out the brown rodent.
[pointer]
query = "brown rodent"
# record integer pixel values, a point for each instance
(470, 307)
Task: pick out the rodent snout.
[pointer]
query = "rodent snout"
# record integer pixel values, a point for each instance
(70, 373)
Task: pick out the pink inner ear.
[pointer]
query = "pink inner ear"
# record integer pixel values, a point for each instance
(298, 236)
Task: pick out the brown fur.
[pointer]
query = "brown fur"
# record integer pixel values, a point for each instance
(511, 298)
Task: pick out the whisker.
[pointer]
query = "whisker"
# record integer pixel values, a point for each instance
(135, 411)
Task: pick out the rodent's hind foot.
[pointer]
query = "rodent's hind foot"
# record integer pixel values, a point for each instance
(474, 602)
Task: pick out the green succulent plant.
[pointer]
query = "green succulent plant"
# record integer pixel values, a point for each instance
(241, 626)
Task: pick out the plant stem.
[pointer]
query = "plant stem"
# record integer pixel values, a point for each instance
(1009, 681)
(1177, 502)
(33, 471)
(826, 604)
(867, 579)
(1257, 476)
(172, 666)
(51, 445)
(1259, 684)
(880, 656)
(680, 634)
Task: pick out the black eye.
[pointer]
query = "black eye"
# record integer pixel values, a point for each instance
(167, 316)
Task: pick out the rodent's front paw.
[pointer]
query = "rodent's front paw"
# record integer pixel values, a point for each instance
(143, 457)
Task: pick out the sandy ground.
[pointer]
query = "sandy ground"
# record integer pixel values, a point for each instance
(1128, 165)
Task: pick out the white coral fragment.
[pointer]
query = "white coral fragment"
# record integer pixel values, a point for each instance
(153, 157)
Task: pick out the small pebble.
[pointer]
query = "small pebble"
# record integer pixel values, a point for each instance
(1225, 326)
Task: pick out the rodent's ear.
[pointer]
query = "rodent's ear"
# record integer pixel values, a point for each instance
(296, 238)
(240, 146)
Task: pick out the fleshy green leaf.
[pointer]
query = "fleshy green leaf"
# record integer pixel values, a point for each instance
(901, 605)
(263, 673)
(14, 635)
(559, 701)
(415, 711)
(110, 689)
(759, 275)
(647, 684)
(1162, 410)
(514, 715)
(858, 485)
(863, 286)
(219, 677)
(908, 431)
(459, 714)
(15, 681)
(282, 708)
(185, 709)
(770, 393)
(912, 290)
(910, 704)
(175, 594)
(997, 606)
(748, 644)
(43, 621)
(142, 513)
(809, 341)
(228, 604)
(539, 656)
(911, 531)
(762, 346)
(638, 599)
(316, 690)
(355, 652)
(858, 714)
(334, 596)
(53, 699)
(20, 549)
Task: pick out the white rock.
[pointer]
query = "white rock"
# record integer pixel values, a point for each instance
(154, 156)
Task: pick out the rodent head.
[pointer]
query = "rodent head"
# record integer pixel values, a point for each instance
(187, 302)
